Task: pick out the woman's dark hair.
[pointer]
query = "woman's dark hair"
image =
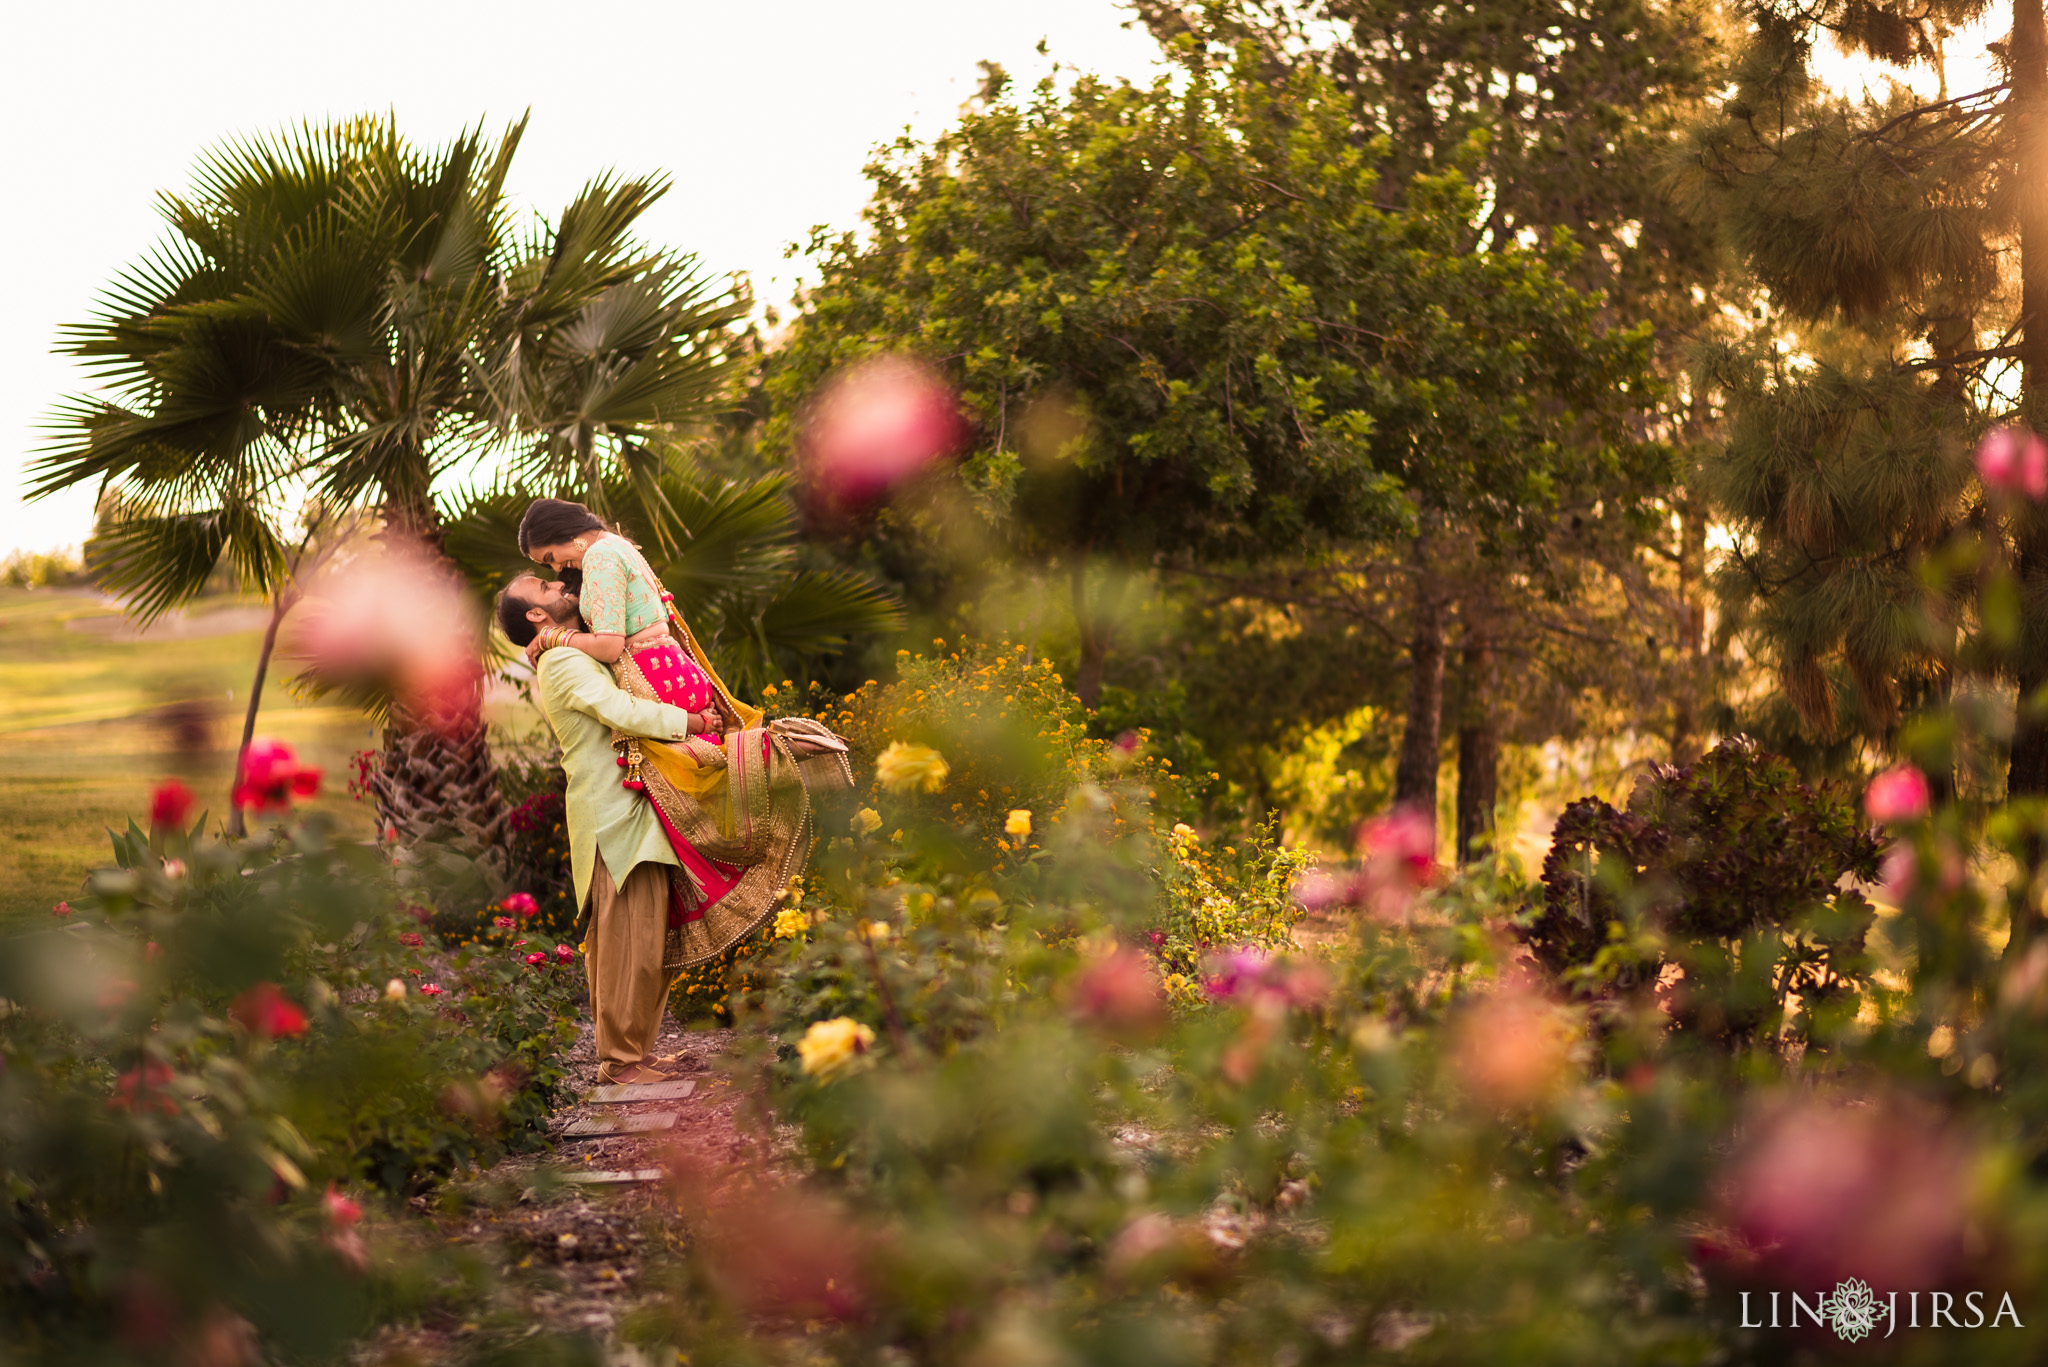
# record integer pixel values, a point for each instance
(554, 522)
(512, 609)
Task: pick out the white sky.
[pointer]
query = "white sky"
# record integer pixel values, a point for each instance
(763, 114)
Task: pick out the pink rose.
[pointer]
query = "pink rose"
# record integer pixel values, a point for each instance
(1898, 794)
(521, 904)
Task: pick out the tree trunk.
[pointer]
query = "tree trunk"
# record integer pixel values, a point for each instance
(1092, 624)
(1478, 742)
(436, 779)
(1692, 627)
(2028, 775)
(237, 824)
(1415, 774)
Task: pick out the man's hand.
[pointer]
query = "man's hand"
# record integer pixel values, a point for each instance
(702, 723)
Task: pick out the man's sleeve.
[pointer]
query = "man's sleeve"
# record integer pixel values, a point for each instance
(587, 688)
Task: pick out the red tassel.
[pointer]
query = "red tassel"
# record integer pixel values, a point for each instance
(633, 785)
(622, 761)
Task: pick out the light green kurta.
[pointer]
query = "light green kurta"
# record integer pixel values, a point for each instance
(584, 707)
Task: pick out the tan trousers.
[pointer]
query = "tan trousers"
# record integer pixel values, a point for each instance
(622, 959)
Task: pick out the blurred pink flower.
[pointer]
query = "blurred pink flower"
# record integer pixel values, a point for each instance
(1898, 794)
(1119, 994)
(272, 776)
(503, 922)
(116, 992)
(170, 806)
(1513, 1047)
(2014, 462)
(431, 989)
(141, 1088)
(521, 904)
(1317, 890)
(1257, 978)
(879, 423)
(411, 940)
(774, 1250)
(1399, 851)
(1877, 1188)
(266, 1012)
(565, 953)
(393, 616)
(61, 910)
(536, 958)
(339, 1210)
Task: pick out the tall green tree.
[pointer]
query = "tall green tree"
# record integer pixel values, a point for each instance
(1904, 252)
(1563, 113)
(1243, 345)
(339, 314)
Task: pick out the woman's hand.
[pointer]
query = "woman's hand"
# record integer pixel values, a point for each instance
(702, 723)
(533, 652)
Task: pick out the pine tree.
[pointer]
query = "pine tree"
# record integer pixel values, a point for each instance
(1903, 260)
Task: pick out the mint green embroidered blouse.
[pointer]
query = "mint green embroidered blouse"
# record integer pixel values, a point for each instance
(619, 597)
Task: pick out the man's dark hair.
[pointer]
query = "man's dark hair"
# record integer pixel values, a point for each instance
(512, 609)
(554, 522)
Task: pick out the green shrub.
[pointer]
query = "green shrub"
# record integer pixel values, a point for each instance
(1729, 871)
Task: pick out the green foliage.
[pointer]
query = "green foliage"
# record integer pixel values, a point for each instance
(1011, 736)
(1728, 870)
(1236, 891)
(1189, 317)
(192, 1050)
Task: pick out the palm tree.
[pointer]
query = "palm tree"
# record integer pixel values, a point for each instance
(341, 315)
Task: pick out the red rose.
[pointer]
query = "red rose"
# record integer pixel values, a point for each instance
(141, 1088)
(271, 776)
(431, 989)
(536, 958)
(266, 1012)
(170, 806)
(521, 904)
(61, 910)
(503, 922)
(340, 1211)
(410, 940)
(565, 953)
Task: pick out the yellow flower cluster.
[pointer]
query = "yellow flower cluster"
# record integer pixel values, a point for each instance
(1012, 739)
(866, 821)
(829, 1046)
(791, 923)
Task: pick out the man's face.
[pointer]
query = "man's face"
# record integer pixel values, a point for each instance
(548, 603)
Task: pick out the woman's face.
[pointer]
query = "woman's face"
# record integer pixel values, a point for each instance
(565, 555)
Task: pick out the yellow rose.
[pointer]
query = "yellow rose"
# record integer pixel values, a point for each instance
(866, 821)
(790, 924)
(394, 991)
(911, 768)
(1019, 822)
(828, 1046)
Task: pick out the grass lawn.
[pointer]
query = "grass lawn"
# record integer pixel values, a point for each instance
(92, 718)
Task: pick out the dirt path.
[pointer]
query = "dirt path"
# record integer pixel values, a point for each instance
(577, 1258)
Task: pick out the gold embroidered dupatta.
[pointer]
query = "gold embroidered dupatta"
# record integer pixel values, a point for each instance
(745, 801)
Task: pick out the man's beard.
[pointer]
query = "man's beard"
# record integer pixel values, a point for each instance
(565, 612)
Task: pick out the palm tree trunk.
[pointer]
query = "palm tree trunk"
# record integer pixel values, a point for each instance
(1421, 739)
(237, 826)
(2028, 774)
(436, 779)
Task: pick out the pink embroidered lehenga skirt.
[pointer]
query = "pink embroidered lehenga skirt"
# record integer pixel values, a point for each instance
(736, 807)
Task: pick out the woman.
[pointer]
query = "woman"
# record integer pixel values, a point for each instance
(735, 798)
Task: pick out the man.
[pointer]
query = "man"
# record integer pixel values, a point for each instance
(618, 852)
